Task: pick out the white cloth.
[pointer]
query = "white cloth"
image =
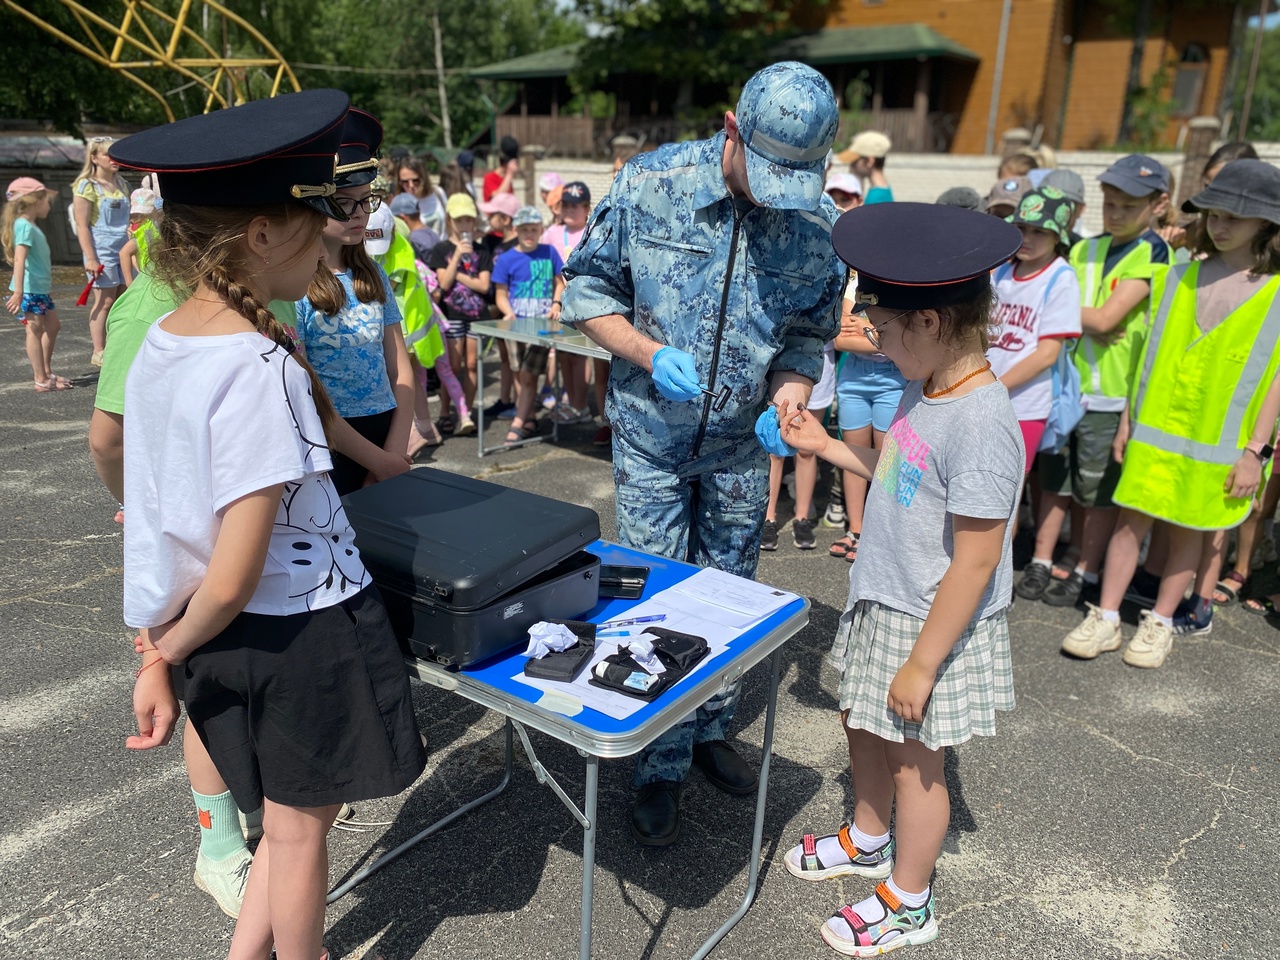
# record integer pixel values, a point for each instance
(545, 638)
(1043, 305)
(211, 420)
(824, 391)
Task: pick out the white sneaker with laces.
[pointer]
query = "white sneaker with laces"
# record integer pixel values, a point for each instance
(224, 880)
(1095, 635)
(1151, 644)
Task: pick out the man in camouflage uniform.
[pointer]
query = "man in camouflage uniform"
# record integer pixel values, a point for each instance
(709, 267)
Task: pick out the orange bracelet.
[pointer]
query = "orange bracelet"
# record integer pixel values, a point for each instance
(137, 673)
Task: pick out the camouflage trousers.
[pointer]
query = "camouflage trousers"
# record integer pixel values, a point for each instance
(712, 519)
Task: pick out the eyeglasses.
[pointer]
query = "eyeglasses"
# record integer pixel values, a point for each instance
(872, 333)
(403, 181)
(349, 205)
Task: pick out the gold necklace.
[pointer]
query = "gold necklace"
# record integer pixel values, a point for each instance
(943, 393)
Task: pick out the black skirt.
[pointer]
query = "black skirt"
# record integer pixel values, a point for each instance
(347, 475)
(307, 710)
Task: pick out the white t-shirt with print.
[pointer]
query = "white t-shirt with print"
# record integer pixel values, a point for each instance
(1030, 309)
(211, 420)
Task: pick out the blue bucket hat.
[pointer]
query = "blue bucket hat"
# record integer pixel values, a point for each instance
(787, 120)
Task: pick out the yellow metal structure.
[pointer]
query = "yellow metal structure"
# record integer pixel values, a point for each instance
(146, 37)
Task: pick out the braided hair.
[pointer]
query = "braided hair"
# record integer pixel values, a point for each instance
(205, 245)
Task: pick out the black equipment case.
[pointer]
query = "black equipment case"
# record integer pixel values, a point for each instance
(466, 567)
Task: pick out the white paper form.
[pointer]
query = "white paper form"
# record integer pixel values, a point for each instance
(742, 604)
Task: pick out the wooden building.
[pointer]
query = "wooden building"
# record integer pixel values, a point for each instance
(944, 75)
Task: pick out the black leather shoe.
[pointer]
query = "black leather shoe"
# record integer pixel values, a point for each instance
(722, 766)
(655, 816)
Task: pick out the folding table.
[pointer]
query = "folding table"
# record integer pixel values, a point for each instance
(597, 736)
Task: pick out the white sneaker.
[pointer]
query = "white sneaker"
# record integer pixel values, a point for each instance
(1151, 644)
(834, 516)
(1094, 636)
(224, 880)
(566, 414)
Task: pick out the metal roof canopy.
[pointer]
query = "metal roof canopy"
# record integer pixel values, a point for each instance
(908, 41)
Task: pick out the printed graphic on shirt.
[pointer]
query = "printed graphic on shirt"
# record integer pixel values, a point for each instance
(1017, 323)
(532, 297)
(353, 326)
(903, 462)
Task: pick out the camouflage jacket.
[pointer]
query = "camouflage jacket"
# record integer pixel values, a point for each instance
(746, 290)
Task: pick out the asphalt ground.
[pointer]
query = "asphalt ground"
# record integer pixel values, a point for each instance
(1118, 813)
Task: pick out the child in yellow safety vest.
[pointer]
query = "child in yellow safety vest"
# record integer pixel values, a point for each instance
(1196, 437)
(1116, 271)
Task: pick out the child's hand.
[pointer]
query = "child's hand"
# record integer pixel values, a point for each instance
(14, 303)
(155, 709)
(801, 429)
(1244, 478)
(910, 691)
(1120, 442)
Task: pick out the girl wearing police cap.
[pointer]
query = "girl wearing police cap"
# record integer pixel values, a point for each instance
(239, 561)
(1197, 437)
(924, 644)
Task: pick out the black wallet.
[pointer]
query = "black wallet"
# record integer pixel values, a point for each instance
(679, 653)
(565, 665)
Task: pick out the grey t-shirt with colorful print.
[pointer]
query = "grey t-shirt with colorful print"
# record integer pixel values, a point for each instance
(953, 456)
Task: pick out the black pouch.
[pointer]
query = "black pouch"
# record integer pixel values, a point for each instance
(679, 653)
(565, 665)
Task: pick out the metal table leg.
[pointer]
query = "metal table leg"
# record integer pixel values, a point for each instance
(479, 410)
(589, 856)
(753, 875)
(359, 877)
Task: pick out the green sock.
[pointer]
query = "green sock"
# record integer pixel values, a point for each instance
(220, 835)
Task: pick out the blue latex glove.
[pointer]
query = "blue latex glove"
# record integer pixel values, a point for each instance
(769, 433)
(675, 375)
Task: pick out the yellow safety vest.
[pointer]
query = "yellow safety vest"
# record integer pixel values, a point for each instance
(1196, 402)
(1106, 368)
(421, 331)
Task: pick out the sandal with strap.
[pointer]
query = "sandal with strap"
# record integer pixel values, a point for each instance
(803, 861)
(1230, 586)
(1260, 606)
(898, 926)
(519, 434)
(852, 555)
(841, 546)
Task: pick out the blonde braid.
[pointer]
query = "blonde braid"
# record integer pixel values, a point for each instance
(240, 299)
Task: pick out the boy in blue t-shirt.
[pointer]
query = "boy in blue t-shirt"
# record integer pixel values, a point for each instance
(527, 282)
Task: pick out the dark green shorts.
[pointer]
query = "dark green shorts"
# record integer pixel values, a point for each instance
(1085, 470)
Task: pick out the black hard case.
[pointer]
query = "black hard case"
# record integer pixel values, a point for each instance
(466, 567)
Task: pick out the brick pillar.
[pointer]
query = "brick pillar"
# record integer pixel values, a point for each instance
(1014, 140)
(1202, 133)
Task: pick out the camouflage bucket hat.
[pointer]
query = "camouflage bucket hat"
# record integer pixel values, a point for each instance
(1045, 209)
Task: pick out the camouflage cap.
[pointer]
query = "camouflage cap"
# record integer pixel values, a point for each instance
(1047, 209)
(787, 119)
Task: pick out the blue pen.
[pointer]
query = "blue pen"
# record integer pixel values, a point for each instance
(627, 623)
(549, 333)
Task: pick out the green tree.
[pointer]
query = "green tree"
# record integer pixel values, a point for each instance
(1264, 109)
(45, 80)
(686, 42)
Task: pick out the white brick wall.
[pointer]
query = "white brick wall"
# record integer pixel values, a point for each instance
(923, 176)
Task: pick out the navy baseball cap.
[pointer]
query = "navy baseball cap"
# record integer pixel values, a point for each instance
(358, 154)
(465, 159)
(1137, 175)
(575, 192)
(404, 205)
(259, 153)
(917, 256)
(787, 120)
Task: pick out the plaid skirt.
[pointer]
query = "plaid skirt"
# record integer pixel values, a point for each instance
(975, 680)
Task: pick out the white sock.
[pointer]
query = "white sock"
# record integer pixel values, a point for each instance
(1087, 577)
(1111, 616)
(1167, 621)
(1036, 561)
(865, 842)
(913, 900)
